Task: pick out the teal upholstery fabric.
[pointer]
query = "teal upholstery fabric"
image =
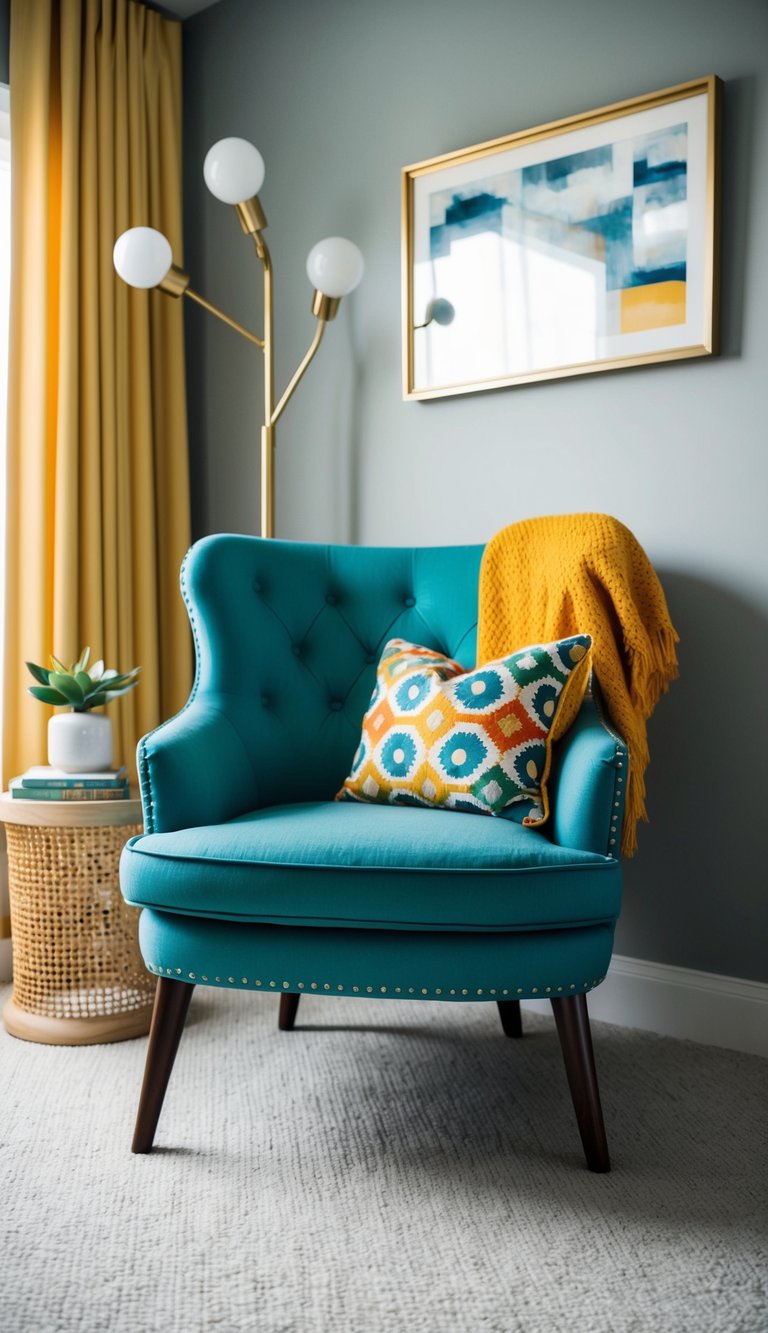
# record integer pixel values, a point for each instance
(397, 866)
(376, 964)
(248, 870)
(589, 783)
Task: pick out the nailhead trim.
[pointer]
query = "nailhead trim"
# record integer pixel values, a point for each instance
(619, 756)
(369, 990)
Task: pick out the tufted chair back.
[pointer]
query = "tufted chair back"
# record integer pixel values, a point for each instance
(288, 636)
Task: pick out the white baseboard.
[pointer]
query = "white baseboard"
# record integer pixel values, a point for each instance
(679, 1002)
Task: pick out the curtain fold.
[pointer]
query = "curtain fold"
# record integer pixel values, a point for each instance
(98, 485)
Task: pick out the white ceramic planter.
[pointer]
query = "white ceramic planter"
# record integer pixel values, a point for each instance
(80, 742)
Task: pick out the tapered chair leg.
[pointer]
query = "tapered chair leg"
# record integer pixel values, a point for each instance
(572, 1019)
(168, 1016)
(287, 1015)
(511, 1019)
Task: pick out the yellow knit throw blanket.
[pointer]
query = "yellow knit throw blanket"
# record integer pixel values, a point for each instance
(546, 578)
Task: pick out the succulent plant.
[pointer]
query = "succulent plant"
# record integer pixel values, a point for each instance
(80, 687)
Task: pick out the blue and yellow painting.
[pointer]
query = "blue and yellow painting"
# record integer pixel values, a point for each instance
(620, 210)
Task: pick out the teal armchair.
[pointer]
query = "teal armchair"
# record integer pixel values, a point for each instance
(251, 877)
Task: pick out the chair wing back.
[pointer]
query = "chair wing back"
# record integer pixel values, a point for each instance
(288, 636)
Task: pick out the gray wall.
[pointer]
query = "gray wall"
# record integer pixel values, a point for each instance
(339, 95)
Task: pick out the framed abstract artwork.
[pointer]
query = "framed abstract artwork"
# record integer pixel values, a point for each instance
(584, 245)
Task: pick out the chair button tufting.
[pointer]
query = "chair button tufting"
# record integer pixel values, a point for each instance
(296, 649)
(266, 702)
(331, 599)
(335, 705)
(257, 585)
(409, 601)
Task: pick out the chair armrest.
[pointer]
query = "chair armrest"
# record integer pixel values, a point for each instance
(589, 783)
(195, 769)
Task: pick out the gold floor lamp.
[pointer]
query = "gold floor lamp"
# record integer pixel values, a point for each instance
(234, 172)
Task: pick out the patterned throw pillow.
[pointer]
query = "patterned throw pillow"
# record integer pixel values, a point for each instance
(479, 740)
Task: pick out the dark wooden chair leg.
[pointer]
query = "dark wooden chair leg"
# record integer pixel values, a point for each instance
(511, 1019)
(287, 1016)
(168, 1016)
(572, 1019)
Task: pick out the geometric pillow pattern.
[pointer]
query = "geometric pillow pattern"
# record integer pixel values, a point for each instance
(476, 741)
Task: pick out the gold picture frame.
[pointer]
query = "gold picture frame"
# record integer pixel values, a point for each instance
(584, 245)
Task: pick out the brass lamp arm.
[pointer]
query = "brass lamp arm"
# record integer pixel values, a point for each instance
(233, 324)
(300, 369)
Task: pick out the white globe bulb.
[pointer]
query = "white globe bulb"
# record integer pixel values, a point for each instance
(142, 256)
(335, 266)
(233, 170)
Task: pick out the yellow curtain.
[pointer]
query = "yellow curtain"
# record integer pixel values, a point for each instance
(98, 486)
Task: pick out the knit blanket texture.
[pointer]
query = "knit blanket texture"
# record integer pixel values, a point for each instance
(547, 578)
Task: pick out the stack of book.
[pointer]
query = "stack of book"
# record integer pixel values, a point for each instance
(44, 783)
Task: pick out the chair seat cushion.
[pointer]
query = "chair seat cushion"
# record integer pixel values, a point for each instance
(386, 867)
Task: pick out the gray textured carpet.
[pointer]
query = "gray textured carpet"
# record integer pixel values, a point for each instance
(388, 1167)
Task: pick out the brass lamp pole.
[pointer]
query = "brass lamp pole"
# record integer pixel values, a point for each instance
(234, 172)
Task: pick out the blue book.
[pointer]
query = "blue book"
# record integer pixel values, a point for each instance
(43, 776)
(21, 793)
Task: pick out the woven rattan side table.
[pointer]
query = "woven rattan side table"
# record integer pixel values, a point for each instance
(78, 974)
